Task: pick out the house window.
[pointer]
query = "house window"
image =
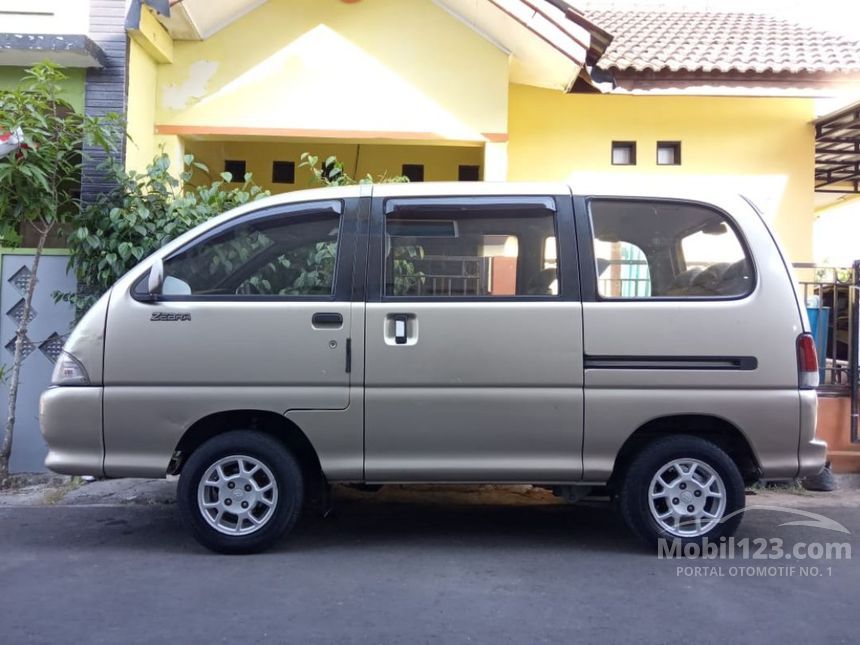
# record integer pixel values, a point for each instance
(413, 171)
(469, 173)
(623, 153)
(237, 169)
(668, 153)
(283, 172)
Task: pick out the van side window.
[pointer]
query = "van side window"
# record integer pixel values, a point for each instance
(290, 255)
(668, 249)
(471, 254)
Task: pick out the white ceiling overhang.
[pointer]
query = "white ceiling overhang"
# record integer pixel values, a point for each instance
(547, 47)
(69, 50)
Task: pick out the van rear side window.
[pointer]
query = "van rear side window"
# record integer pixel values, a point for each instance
(471, 254)
(667, 249)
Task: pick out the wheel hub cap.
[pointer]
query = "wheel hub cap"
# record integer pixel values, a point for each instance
(237, 495)
(687, 498)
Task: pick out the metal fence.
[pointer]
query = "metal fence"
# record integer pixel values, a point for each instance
(829, 295)
(444, 275)
(624, 278)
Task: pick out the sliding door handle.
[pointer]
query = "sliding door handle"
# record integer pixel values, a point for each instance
(400, 328)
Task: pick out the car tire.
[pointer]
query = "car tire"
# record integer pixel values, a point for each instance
(240, 492)
(682, 488)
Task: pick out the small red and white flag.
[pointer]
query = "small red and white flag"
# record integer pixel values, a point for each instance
(10, 141)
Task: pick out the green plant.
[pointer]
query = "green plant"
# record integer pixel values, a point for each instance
(331, 173)
(406, 276)
(39, 186)
(141, 214)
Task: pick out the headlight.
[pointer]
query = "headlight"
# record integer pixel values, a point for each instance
(69, 371)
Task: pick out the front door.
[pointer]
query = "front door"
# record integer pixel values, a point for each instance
(255, 314)
(473, 341)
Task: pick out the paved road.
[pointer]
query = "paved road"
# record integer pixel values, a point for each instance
(387, 572)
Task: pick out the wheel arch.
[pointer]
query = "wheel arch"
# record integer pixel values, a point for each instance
(271, 423)
(719, 430)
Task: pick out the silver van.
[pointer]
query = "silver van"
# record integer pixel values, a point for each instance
(648, 347)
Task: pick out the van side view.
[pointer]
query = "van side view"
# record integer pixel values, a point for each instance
(651, 347)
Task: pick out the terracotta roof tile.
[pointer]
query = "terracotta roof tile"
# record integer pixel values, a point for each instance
(697, 41)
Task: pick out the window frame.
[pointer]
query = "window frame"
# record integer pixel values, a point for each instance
(284, 164)
(414, 168)
(588, 259)
(675, 146)
(233, 176)
(559, 206)
(462, 168)
(629, 145)
(343, 209)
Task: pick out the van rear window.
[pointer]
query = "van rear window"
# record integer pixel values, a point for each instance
(667, 249)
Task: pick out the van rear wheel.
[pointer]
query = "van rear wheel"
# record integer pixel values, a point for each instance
(682, 488)
(240, 492)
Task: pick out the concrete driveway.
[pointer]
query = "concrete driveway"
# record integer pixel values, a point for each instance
(402, 567)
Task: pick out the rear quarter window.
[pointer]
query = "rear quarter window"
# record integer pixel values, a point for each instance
(667, 249)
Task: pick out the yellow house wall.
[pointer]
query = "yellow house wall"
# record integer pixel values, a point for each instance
(402, 66)
(763, 147)
(441, 163)
(837, 232)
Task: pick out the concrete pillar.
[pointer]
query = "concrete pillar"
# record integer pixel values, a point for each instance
(496, 161)
(174, 147)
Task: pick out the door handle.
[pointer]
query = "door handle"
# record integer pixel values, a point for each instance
(327, 319)
(400, 328)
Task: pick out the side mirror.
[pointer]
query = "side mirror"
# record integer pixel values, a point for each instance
(156, 279)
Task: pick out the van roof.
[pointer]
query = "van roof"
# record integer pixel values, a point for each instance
(711, 189)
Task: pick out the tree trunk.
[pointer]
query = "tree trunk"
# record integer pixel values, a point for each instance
(21, 334)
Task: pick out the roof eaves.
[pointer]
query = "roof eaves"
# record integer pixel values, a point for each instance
(600, 38)
(545, 26)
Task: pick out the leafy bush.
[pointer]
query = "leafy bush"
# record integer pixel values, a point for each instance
(144, 212)
(331, 173)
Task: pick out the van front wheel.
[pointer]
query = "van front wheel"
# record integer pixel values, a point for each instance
(240, 492)
(682, 488)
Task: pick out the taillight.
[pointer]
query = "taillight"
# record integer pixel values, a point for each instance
(807, 362)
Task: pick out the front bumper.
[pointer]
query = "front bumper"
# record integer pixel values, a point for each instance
(71, 423)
